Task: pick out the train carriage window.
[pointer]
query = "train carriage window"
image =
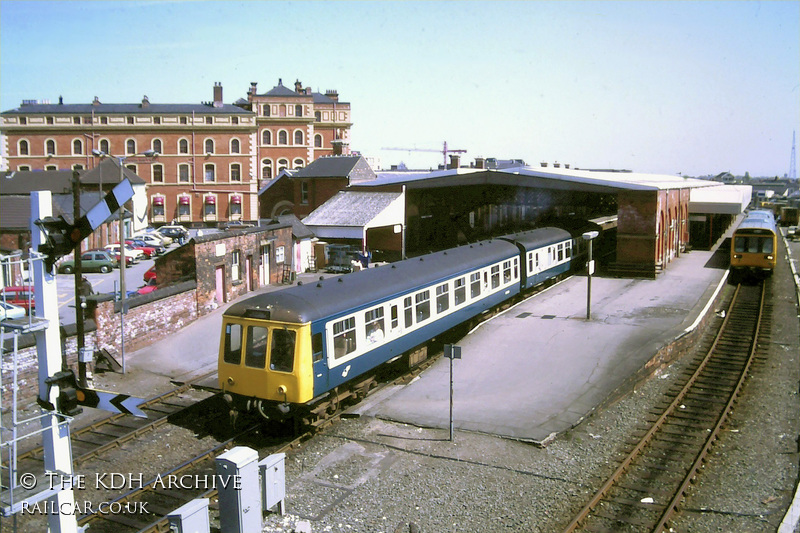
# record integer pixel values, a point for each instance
(442, 298)
(233, 344)
(255, 355)
(373, 322)
(316, 346)
(460, 291)
(495, 276)
(281, 357)
(409, 312)
(344, 337)
(423, 300)
(506, 272)
(475, 285)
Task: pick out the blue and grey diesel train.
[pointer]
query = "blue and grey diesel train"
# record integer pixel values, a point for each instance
(755, 244)
(283, 352)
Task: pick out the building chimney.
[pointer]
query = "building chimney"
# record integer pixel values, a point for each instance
(480, 162)
(218, 94)
(455, 161)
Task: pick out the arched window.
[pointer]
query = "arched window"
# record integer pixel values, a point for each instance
(236, 172)
(209, 172)
(235, 146)
(298, 110)
(130, 146)
(283, 137)
(298, 137)
(50, 147)
(24, 148)
(298, 163)
(318, 141)
(266, 169)
(104, 146)
(266, 137)
(157, 146)
(209, 145)
(77, 147)
(183, 146)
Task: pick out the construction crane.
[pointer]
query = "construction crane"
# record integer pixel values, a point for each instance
(444, 151)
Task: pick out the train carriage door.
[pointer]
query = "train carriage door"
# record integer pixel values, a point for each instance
(318, 358)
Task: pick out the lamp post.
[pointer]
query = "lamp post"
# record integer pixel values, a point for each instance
(121, 162)
(589, 236)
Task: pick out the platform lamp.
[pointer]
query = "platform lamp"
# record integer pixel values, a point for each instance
(589, 236)
(121, 162)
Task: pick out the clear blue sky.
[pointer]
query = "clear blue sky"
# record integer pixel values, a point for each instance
(665, 87)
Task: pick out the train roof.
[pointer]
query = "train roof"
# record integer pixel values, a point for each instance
(760, 220)
(538, 237)
(340, 295)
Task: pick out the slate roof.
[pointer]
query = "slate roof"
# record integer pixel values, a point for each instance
(60, 181)
(329, 167)
(351, 208)
(127, 109)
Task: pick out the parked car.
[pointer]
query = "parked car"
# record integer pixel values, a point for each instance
(10, 311)
(154, 238)
(176, 233)
(91, 261)
(137, 255)
(21, 296)
(236, 224)
(150, 275)
(159, 249)
(148, 251)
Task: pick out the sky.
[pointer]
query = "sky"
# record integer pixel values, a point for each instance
(691, 87)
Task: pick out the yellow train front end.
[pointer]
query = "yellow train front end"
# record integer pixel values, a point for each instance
(754, 250)
(265, 365)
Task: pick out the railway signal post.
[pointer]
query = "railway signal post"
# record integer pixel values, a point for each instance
(452, 351)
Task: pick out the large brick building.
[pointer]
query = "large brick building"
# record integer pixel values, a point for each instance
(211, 156)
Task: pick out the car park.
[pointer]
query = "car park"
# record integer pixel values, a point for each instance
(137, 255)
(91, 261)
(10, 311)
(21, 296)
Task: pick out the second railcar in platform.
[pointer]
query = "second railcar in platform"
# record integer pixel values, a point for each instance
(755, 244)
(283, 352)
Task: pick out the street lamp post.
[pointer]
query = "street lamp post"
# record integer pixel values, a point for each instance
(121, 162)
(589, 236)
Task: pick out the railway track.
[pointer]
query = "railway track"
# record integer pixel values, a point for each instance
(160, 500)
(651, 481)
(112, 432)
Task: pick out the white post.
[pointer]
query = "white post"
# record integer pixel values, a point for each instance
(55, 438)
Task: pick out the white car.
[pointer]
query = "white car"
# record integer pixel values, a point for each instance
(154, 238)
(10, 311)
(137, 255)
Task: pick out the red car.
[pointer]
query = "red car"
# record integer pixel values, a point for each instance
(147, 250)
(150, 275)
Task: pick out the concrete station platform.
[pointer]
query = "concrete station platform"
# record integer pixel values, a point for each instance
(540, 367)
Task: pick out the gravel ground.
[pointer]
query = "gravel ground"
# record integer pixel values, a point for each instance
(370, 475)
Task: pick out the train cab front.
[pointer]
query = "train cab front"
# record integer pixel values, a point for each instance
(261, 366)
